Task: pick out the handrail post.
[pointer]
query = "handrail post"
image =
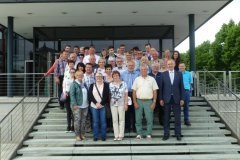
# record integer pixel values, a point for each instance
(218, 96)
(225, 82)
(0, 143)
(11, 129)
(23, 125)
(38, 97)
(237, 117)
(230, 82)
(205, 83)
(198, 85)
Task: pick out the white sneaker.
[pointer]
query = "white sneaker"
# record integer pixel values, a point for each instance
(149, 137)
(120, 139)
(115, 139)
(139, 137)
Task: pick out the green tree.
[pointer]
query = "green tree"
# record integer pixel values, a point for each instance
(222, 54)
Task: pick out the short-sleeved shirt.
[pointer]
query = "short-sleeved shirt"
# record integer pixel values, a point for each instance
(117, 93)
(144, 87)
(187, 79)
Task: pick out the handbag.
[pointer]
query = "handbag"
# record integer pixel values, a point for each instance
(63, 98)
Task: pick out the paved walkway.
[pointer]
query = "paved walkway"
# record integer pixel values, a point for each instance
(7, 104)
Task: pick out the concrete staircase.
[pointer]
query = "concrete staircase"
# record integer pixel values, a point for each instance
(206, 139)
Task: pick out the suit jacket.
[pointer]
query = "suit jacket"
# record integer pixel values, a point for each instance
(167, 89)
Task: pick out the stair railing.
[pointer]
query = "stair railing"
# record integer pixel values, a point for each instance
(223, 100)
(16, 125)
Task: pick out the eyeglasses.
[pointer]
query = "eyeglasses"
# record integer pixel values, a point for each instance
(72, 72)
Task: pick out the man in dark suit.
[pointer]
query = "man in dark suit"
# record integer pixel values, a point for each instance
(171, 95)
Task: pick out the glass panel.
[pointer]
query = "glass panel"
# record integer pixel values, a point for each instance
(130, 44)
(75, 43)
(167, 44)
(18, 66)
(154, 43)
(28, 50)
(99, 45)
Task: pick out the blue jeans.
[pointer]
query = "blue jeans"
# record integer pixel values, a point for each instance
(99, 119)
(186, 105)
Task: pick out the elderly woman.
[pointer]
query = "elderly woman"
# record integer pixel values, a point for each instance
(98, 95)
(111, 60)
(162, 66)
(79, 104)
(145, 61)
(119, 104)
(101, 67)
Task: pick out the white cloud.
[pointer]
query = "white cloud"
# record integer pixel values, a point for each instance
(209, 29)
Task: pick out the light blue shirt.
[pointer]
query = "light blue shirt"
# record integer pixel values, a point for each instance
(129, 77)
(187, 79)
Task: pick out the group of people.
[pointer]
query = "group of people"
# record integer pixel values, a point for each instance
(113, 90)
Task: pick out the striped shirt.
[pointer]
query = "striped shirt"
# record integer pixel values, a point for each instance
(60, 67)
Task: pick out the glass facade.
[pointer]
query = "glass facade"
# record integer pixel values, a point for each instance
(22, 51)
(48, 40)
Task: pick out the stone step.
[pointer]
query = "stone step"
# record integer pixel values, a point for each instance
(197, 99)
(191, 109)
(192, 103)
(193, 126)
(193, 119)
(155, 133)
(232, 156)
(192, 114)
(106, 150)
(127, 141)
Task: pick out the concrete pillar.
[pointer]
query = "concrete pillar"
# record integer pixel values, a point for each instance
(10, 56)
(192, 42)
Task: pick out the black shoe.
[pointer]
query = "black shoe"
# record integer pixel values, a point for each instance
(68, 129)
(103, 139)
(179, 138)
(72, 128)
(134, 130)
(165, 137)
(187, 123)
(95, 139)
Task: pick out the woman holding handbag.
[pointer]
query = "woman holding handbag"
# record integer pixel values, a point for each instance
(99, 98)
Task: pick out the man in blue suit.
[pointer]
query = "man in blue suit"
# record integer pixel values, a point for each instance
(171, 95)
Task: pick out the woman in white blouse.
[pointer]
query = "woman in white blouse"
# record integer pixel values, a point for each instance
(119, 104)
(66, 88)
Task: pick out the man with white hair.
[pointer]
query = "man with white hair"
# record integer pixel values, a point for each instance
(91, 52)
(157, 76)
(144, 99)
(120, 67)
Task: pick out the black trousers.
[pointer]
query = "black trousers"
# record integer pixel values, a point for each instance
(60, 90)
(130, 117)
(70, 120)
(177, 115)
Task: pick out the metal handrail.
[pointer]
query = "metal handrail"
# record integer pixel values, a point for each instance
(22, 115)
(227, 107)
(225, 86)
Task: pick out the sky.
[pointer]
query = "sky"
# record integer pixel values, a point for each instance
(209, 29)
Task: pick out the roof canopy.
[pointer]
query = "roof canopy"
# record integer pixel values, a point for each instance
(108, 13)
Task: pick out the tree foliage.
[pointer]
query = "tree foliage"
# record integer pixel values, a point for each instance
(222, 54)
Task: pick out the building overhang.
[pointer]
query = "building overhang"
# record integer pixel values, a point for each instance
(57, 13)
